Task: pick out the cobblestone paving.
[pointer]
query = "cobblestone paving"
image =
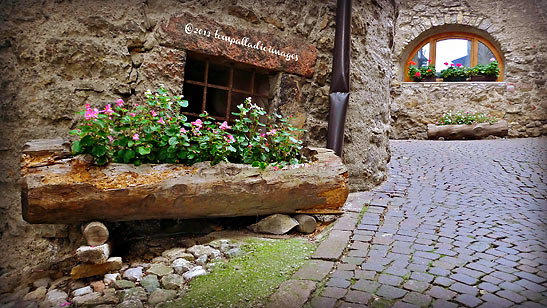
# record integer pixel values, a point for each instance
(458, 224)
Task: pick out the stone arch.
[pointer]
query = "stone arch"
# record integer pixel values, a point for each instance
(482, 27)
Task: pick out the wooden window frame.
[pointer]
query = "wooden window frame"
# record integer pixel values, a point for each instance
(230, 88)
(475, 39)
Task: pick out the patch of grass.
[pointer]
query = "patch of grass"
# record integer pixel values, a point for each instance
(247, 280)
(406, 277)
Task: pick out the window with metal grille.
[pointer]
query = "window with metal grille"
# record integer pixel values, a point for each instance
(218, 86)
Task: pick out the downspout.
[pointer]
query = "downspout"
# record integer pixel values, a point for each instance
(339, 87)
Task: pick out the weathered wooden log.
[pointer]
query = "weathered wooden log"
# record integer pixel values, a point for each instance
(473, 131)
(95, 233)
(72, 190)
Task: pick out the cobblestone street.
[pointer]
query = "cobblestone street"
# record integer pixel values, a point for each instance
(456, 224)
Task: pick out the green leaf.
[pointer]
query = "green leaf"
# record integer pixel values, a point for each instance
(294, 161)
(173, 141)
(182, 154)
(76, 148)
(98, 150)
(255, 164)
(130, 143)
(143, 150)
(87, 140)
(137, 162)
(128, 156)
(101, 160)
(183, 103)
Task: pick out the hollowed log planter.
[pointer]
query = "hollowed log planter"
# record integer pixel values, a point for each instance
(473, 131)
(59, 189)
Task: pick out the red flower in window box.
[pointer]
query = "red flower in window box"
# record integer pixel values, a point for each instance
(417, 74)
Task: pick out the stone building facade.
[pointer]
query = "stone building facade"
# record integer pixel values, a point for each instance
(58, 55)
(55, 56)
(519, 31)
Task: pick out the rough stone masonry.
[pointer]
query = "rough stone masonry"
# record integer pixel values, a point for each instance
(55, 56)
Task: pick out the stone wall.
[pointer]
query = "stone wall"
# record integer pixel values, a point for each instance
(55, 56)
(517, 28)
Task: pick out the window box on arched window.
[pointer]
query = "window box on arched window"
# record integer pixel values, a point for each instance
(456, 49)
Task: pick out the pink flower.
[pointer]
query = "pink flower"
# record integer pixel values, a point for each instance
(492, 59)
(91, 113)
(459, 65)
(452, 64)
(161, 121)
(182, 130)
(276, 167)
(446, 63)
(110, 139)
(197, 123)
(64, 304)
(154, 113)
(108, 110)
(262, 135)
(230, 139)
(87, 106)
(428, 61)
(225, 125)
(132, 114)
(417, 74)
(249, 146)
(271, 132)
(119, 102)
(136, 136)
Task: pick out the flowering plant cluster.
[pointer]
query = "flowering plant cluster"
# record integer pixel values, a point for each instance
(158, 132)
(454, 71)
(418, 73)
(492, 69)
(457, 118)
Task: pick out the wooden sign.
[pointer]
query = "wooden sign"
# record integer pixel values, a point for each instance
(206, 36)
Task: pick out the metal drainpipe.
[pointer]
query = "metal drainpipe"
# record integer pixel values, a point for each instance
(339, 87)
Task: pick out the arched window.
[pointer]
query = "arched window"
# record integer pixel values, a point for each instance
(455, 48)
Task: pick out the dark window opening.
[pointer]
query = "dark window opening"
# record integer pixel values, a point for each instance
(218, 86)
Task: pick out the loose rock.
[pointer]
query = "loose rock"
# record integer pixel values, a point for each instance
(110, 278)
(174, 253)
(172, 281)
(133, 274)
(42, 282)
(160, 269)
(82, 291)
(150, 283)
(123, 284)
(275, 224)
(161, 296)
(194, 272)
(162, 260)
(94, 254)
(181, 265)
(55, 298)
(306, 223)
(132, 303)
(201, 260)
(234, 252)
(87, 299)
(89, 270)
(137, 293)
(36, 295)
(200, 250)
(98, 286)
